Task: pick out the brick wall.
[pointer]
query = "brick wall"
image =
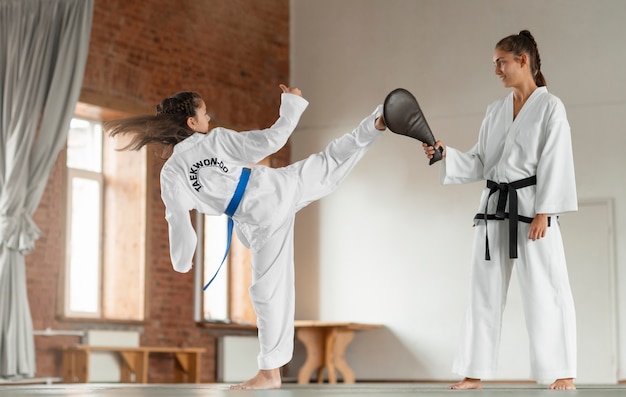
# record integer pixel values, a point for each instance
(234, 53)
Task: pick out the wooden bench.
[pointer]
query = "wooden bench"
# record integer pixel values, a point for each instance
(133, 362)
(326, 344)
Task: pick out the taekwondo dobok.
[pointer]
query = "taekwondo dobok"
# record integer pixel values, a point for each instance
(204, 171)
(528, 164)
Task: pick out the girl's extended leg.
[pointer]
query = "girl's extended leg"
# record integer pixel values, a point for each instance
(321, 173)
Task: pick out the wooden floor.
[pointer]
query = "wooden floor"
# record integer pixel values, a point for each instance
(294, 390)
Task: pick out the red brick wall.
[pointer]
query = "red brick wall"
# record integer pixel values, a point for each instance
(234, 53)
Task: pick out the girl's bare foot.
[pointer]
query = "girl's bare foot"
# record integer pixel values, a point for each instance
(264, 379)
(466, 384)
(379, 123)
(563, 384)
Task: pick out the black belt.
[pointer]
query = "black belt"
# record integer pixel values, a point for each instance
(506, 192)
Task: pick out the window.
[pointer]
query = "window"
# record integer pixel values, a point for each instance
(215, 299)
(227, 299)
(105, 252)
(84, 162)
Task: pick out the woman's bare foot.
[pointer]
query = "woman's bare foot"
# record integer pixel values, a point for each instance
(563, 384)
(264, 379)
(466, 384)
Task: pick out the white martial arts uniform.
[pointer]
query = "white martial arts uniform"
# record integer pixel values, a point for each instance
(202, 174)
(537, 142)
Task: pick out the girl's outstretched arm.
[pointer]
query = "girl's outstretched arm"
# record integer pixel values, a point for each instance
(255, 145)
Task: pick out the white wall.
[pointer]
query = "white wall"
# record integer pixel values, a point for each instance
(391, 245)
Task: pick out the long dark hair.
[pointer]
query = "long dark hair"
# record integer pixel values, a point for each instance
(167, 127)
(521, 43)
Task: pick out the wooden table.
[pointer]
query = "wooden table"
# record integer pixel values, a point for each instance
(134, 361)
(326, 344)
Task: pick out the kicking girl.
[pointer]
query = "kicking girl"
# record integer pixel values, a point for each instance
(207, 170)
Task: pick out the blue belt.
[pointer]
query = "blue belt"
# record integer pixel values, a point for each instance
(230, 211)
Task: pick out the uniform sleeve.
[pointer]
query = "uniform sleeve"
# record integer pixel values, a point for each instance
(465, 167)
(255, 145)
(182, 235)
(556, 182)
(459, 167)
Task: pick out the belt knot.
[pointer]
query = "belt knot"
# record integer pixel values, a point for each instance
(507, 192)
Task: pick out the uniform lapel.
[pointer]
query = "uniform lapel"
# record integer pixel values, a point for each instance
(529, 103)
(508, 119)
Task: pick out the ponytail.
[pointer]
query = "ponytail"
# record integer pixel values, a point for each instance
(167, 127)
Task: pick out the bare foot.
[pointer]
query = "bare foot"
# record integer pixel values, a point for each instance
(466, 384)
(563, 384)
(379, 123)
(264, 379)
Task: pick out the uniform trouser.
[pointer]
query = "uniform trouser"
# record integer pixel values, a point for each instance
(272, 290)
(547, 300)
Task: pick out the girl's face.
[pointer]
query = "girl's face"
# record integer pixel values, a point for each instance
(200, 122)
(508, 67)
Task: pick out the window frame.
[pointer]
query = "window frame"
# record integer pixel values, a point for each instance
(110, 304)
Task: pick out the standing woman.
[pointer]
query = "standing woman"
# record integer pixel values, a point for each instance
(524, 152)
(206, 169)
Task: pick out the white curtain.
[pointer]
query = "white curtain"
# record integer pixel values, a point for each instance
(43, 51)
